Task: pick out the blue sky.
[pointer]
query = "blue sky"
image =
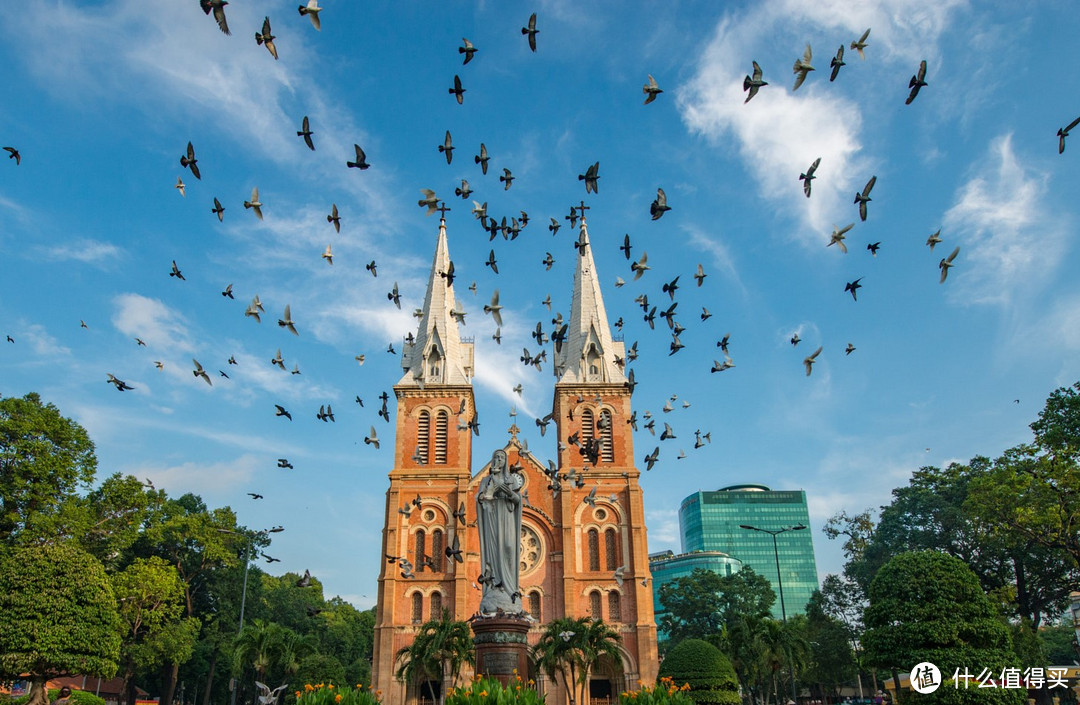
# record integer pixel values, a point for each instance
(103, 97)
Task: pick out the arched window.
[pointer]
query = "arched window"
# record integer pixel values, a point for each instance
(592, 361)
(588, 426)
(534, 606)
(417, 608)
(594, 605)
(607, 434)
(593, 538)
(441, 423)
(423, 431)
(436, 550)
(436, 605)
(614, 607)
(434, 365)
(611, 550)
(421, 545)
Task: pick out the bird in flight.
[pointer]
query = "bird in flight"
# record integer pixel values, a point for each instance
(334, 218)
(120, 384)
(492, 262)
(218, 210)
(14, 154)
(836, 63)
(532, 31)
(180, 186)
(659, 206)
(837, 237)
(395, 296)
(482, 158)
(507, 178)
(494, 308)
(863, 198)
(809, 176)
(946, 262)
(849, 349)
(279, 410)
(447, 147)
(873, 247)
(917, 82)
(457, 91)
(590, 177)
(266, 38)
(200, 372)
(312, 10)
(934, 239)
(176, 272)
(1062, 133)
(810, 359)
(751, 84)
(429, 201)
(853, 287)
(361, 159)
(218, 7)
(860, 44)
(372, 439)
(254, 204)
(328, 255)
(306, 133)
(464, 191)
(639, 267)
(468, 50)
(802, 67)
(651, 90)
(287, 321)
(189, 161)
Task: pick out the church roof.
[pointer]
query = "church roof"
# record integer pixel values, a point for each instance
(438, 355)
(588, 352)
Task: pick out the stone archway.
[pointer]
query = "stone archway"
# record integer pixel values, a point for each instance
(605, 682)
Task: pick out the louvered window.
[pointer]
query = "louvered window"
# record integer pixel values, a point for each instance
(587, 426)
(611, 550)
(614, 607)
(441, 423)
(423, 431)
(417, 608)
(594, 605)
(436, 550)
(421, 545)
(594, 549)
(607, 438)
(436, 605)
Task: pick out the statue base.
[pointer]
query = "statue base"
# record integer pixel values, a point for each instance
(502, 647)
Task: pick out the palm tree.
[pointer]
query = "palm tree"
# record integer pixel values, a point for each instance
(441, 647)
(292, 649)
(571, 648)
(258, 646)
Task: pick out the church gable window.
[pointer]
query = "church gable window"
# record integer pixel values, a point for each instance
(436, 605)
(534, 606)
(421, 541)
(417, 608)
(611, 550)
(436, 551)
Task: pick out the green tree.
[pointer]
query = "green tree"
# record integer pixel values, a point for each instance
(704, 603)
(571, 648)
(57, 616)
(44, 459)
(705, 669)
(832, 659)
(928, 606)
(440, 649)
(258, 647)
(318, 668)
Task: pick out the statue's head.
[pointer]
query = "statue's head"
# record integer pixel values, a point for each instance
(498, 461)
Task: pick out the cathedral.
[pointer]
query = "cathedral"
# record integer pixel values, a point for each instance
(570, 547)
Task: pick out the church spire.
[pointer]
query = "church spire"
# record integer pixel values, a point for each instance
(588, 351)
(437, 355)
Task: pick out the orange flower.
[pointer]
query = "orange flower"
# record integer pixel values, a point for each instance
(483, 693)
(298, 693)
(308, 687)
(337, 698)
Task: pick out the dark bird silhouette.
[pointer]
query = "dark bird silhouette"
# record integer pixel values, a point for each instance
(659, 205)
(279, 410)
(218, 8)
(447, 147)
(14, 154)
(464, 191)
(874, 247)
(1062, 134)
(361, 159)
(836, 63)
(946, 262)
(809, 176)
(176, 272)
(482, 158)
(254, 495)
(554, 227)
(333, 218)
(795, 339)
(863, 198)
(284, 464)
(190, 161)
(395, 296)
(468, 50)
(652, 458)
(305, 581)
(491, 262)
(590, 177)
(651, 90)
(429, 201)
(218, 210)
(287, 321)
(306, 133)
(454, 550)
(228, 292)
(271, 559)
(507, 178)
(625, 247)
(372, 267)
(267, 39)
(548, 262)
(849, 349)
(120, 384)
(853, 287)
(753, 83)
(671, 287)
(532, 31)
(917, 82)
(457, 91)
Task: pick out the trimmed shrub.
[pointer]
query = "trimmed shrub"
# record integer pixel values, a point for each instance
(705, 669)
(78, 697)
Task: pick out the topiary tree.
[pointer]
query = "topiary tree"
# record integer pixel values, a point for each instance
(704, 667)
(57, 616)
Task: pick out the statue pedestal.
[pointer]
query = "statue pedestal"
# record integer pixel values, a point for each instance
(501, 647)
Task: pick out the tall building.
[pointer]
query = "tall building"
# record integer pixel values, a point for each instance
(570, 549)
(711, 521)
(667, 567)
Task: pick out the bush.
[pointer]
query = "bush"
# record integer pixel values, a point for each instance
(78, 697)
(665, 692)
(488, 691)
(705, 669)
(323, 694)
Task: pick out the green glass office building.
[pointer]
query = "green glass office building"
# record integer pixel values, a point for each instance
(666, 567)
(710, 521)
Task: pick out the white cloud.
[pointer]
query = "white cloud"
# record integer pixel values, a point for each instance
(85, 250)
(209, 479)
(1010, 247)
(664, 530)
(153, 322)
(42, 342)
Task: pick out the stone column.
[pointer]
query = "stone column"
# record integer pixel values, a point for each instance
(501, 647)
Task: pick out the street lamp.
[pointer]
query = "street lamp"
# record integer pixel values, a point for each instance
(243, 594)
(780, 582)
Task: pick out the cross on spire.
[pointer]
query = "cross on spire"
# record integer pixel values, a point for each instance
(583, 208)
(442, 208)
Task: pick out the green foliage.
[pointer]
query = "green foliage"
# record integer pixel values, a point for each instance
(704, 602)
(571, 648)
(44, 459)
(927, 606)
(57, 613)
(439, 646)
(705, 669)
(488, 691)
(327, 694)
(319, 668)
(665, 692)
(78, 697)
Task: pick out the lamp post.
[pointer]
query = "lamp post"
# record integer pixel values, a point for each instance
(779, 581)
(243, 593)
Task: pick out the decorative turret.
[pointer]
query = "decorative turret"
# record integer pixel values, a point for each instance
(587, 353)
(437, 355)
